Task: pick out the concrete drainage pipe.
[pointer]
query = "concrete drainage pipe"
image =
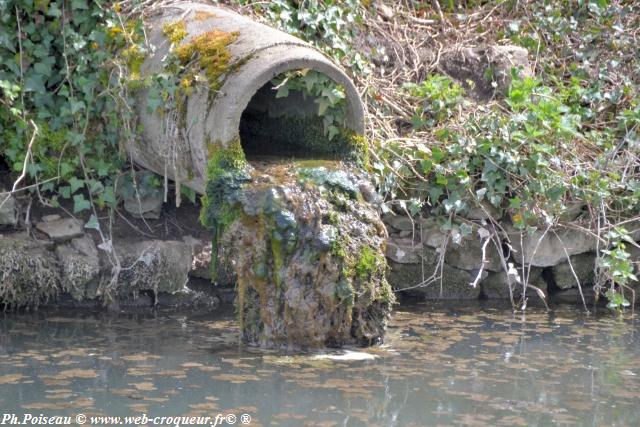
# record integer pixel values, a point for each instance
(257, 55)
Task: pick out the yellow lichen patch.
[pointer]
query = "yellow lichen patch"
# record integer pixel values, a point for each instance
(175, 31)
(210, 50)
(203, 15)
(134, 57)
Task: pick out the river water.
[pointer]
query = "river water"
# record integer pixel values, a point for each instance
(476, 365)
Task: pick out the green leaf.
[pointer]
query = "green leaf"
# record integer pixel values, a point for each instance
(92, 223)
(75, 184)
(283, 91)
(108, 196)
(65, 191)
(80, 203)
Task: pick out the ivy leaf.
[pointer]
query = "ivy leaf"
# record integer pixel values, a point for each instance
(108, 196)
(80, 203)
(75, 184)
(92, 223)
(77, 106)
(283, 91)
(323, 105)
(66, 169)
(65, 191)
(102, 168)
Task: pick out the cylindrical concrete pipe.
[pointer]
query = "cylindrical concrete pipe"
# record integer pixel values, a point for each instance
(259, 54)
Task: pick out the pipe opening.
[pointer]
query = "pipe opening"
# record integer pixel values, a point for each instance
(288, 127)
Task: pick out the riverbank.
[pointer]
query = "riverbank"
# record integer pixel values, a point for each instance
(52, 258)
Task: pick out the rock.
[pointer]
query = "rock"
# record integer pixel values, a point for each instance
(326, 237)
(8, 210)
(384, 11)
(464, 256)
(403, 250)
(572, 296)
(148, 207)
(489, 68)
(80, 267)
(29, 272)
(468, 254)
(483, 213)
(61, 230)
(154, 265)
(496, 286)
(188, 299)
(432, 235)
(49, 218)
(200, 257)
(455, 282)
(551, 250)
(299, 285)
(583, 265)
(400, 223)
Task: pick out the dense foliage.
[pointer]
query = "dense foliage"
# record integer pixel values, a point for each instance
(330, 25)
(62, 120)
(562, 140)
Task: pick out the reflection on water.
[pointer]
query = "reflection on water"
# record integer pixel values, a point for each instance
(469, 366)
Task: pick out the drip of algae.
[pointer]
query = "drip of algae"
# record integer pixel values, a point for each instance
(227, 171)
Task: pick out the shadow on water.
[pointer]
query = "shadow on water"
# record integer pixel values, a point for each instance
(477, 364)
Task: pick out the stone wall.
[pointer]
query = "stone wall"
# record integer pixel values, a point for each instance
(428, 263)
(61, 262)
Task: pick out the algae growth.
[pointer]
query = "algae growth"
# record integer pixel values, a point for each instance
(294, 289)
(227, 171)
(209, 51)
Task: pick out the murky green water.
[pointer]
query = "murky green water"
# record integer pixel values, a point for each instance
(471, 366)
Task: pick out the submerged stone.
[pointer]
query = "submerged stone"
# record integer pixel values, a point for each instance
(308, 254)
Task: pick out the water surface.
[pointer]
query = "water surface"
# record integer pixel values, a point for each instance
(477, 365)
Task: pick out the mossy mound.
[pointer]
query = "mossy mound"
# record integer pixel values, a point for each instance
(29, 272)
(308, 254)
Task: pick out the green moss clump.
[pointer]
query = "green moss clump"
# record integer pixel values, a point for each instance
(227, 171)
(210, 50)
(338, 248)
(368, 263)
(134, 57)
(359, 148)
(175, 31)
